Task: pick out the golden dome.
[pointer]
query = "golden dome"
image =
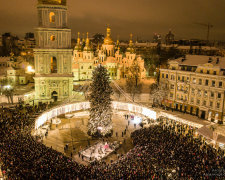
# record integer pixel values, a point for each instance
(87, 45)
(78, 46)
(108, 40)
(131, 46)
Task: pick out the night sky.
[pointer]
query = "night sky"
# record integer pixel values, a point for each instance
(141, 17)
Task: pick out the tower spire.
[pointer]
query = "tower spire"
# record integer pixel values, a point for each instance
(87, 40)
(108, 40)
(78, 38)
(83, 39)
(131, 40)
(131, 47)
(108, 31)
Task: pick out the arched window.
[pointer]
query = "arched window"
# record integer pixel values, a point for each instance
(51, 17)
(53, 65)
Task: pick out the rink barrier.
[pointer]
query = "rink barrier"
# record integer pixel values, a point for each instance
(78, 106)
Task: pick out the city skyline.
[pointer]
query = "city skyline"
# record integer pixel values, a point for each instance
(142, 18)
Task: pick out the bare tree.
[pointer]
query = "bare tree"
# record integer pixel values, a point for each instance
(133, 84)
(135, 72)
(131, 87)
(158, 92)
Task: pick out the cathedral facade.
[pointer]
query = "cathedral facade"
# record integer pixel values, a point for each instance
(53, 53)
(109, 55)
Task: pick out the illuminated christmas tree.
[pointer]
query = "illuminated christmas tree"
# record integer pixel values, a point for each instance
(100, 121)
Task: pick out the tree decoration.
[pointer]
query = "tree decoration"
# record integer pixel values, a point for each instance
(100, 121)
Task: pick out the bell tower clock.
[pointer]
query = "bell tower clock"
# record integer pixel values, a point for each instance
(53, 53)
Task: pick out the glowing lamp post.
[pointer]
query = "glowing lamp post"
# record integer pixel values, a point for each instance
(30, 69)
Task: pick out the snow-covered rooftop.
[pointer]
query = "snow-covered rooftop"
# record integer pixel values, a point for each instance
(196, 60)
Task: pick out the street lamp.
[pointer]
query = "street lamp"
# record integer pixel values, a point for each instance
(30, 69)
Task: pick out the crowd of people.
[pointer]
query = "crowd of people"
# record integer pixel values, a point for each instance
(160, 152)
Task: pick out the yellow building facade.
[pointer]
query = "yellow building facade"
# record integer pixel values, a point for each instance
(197, 86)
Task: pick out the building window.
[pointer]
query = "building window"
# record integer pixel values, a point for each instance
(198, 101)
(199, 92)
(194, 80)
(204, 103)
(206, 82)
(212, 94)
(220, 84)
(218, 105)
(207, 71)
(178, 77)
(52, 38)
(51, 17)
(219, 95)
(183, 78)
(213, 83)
(182, 97)
(200, 82)
(214, 72)
(205, 93)
(82, 67)
(172, 86)
(162, 75)
(166, 76)
(211, 104)
(201, 71)
(53, 65)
